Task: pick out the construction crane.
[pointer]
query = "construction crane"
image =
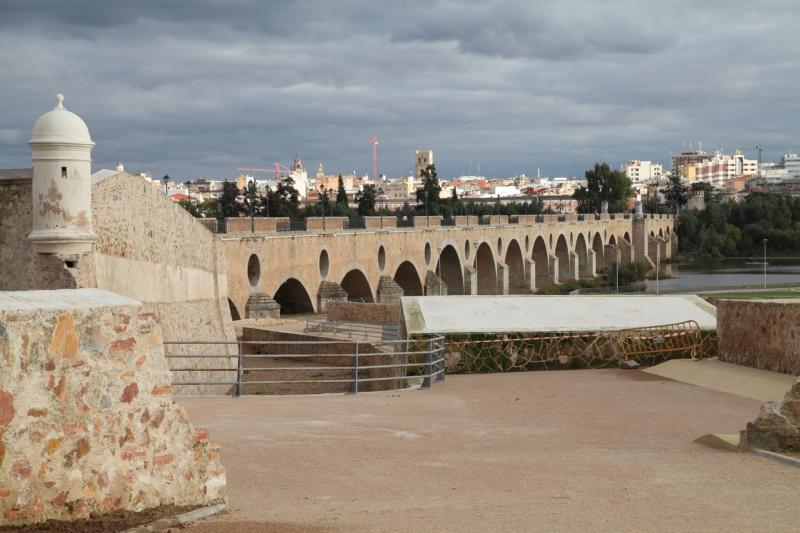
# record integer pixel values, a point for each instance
(277, 169)
(760, 149)
(374, 142)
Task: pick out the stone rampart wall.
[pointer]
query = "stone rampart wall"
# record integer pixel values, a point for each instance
(87, 424)
(763, 334)
(16, 255)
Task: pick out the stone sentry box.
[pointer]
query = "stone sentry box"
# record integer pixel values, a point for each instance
(87, 422)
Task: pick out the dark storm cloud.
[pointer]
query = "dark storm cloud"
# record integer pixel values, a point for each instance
(200, 88)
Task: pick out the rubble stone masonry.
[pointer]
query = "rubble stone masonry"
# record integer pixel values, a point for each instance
(87, 421)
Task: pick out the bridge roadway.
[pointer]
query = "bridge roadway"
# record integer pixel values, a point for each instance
(302, 271)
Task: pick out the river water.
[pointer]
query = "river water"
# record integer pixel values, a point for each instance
(730, 272)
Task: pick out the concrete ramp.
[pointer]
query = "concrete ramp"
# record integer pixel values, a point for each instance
(761, 385)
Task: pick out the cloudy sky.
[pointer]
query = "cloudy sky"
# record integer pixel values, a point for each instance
(198, 87)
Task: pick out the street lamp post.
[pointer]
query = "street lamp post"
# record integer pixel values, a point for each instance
(658, 268)
(765, 264)
(322, 202)
(427, 220)
(166, 184)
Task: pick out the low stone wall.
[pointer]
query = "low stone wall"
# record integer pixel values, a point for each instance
(389, 221)
(430, 221)
(320, 354)
(330, 223)
(466, 220)
(369, 313)
(244, 225)
(763, 334)
(87, 424)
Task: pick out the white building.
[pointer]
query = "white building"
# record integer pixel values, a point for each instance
(642, 171)
(400, 189)
(722, 168)
(300, 177)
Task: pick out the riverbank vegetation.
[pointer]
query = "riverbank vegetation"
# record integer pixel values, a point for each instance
(738, 229)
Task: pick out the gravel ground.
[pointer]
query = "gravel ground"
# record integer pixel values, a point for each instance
(599, 450)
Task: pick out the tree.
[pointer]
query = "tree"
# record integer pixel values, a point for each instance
(676, 194)
(229, 206)
(428, 194)
(366, 199)
(190, 207)
(285, 201)
(341, 193)
(604, 185)
(251, 199)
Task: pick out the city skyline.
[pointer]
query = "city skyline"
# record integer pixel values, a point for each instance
(200, 89)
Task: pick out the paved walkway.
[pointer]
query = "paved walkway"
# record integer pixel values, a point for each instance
(598, 450)
(761, 385)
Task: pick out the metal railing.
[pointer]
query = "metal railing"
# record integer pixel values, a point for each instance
(306, 367)
(352, 329)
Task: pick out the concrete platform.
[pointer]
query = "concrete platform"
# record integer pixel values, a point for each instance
(582, 450)
(761, 385)
(498, 314)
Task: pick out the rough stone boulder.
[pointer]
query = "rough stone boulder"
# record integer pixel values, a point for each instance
(777, 427)
(87, 421)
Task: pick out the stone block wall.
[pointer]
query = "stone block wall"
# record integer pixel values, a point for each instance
(389, 221)
(331, 223)
(763, 334)
(87, 422)
(422, 221)
(370, 313)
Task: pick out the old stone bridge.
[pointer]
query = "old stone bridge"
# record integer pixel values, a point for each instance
(303, 271)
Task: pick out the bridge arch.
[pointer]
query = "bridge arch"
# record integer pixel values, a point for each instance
(562, 253)
(516, 268)
(599, 253)
(356, 285)
(541, 262)
(408, 278)
(449, 269)
(293, 297)
(582, 255)
(234, 312)
(486, 269)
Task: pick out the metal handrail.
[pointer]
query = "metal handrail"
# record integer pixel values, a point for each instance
(415, 359)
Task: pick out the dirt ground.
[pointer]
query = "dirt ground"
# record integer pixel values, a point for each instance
(108, 523)
(599, 450)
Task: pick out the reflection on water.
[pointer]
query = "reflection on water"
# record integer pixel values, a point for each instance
(730, 272)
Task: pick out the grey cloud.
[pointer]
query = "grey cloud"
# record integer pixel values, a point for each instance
(201, 87)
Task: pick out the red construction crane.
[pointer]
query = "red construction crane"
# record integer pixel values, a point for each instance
(374, 142)
(277, 169)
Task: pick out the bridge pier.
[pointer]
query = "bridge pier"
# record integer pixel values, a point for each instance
(626, 252)
(434, 286)
(589, 270)
(470, 280)
(502, 278)
(554, 269)
(389, 291)
(329, 292)
(574, 266)
(530, 274)
(261, 305)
